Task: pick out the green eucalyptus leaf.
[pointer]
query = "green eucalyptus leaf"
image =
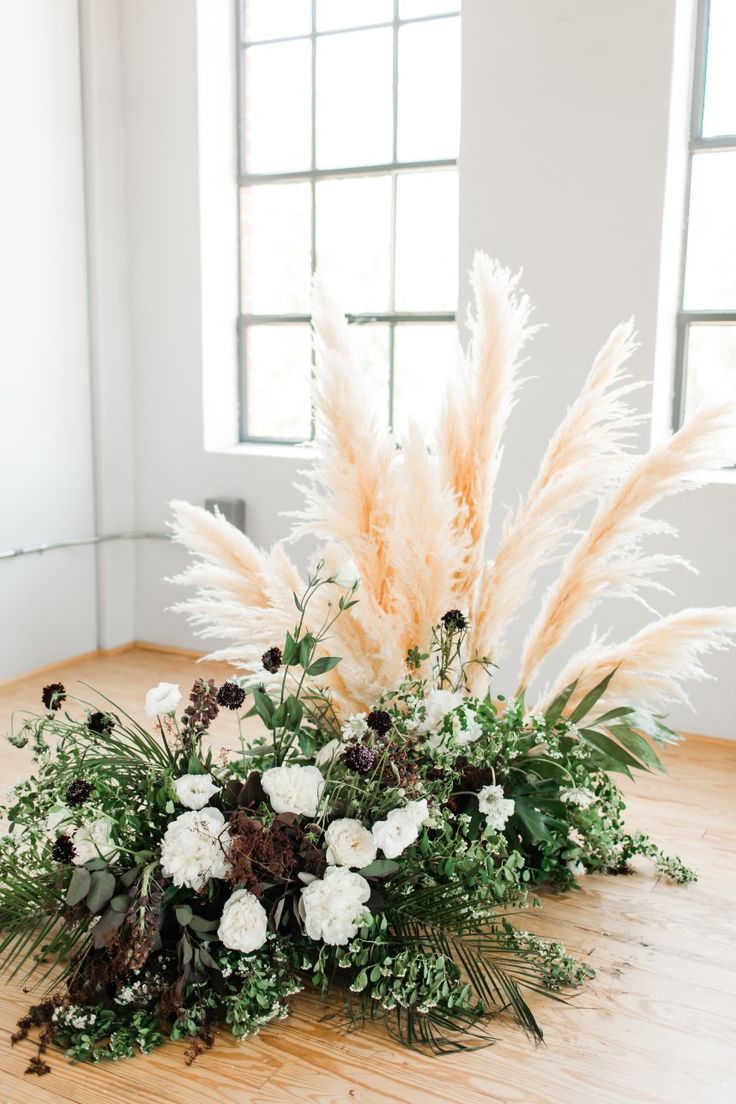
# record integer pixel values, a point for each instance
(78, 886)
(380, 868)
(102, 887)
(183, 914)
(199, 924)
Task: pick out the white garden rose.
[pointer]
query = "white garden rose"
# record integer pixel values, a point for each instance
(163, 698)
(349, 843)
(194, 790)
(94, 841)
(193, 848)
(333, 907)
(347, 575)
(244, 922)
(438, 703)
(293, 789)
(495, 806)
(400, 828)
(327, 753)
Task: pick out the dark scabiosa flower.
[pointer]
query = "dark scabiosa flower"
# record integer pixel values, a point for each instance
(100, 723)
(379, 720)
(359, 758)
(78, 791)
(454, 620)
(53, 695)
(230, 695)
(271, 660)
(62, 850)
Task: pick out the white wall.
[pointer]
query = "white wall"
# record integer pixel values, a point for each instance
(47, 603)
(566, 113)
(563, 164)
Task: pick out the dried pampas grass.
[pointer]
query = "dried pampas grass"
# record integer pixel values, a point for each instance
(412, 517)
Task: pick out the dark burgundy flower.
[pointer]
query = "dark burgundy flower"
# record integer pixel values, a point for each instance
(379, 720)
(53, 695)
(62, 850)
(78, 791)
(100, 723)
(272, 659)
(230, 695)
(359, 758)
(454, 620)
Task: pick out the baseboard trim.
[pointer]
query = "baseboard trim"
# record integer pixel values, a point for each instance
(101, 653)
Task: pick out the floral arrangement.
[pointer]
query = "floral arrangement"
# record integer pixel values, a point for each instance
(375, 835)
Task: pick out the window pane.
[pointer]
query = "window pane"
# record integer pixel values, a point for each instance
(429, 90)
(426, 241)
(276, 18)
(354, 98)
(278, 371)
(415, 9)
(278, 124)
(425, 358)
(333, 15)
(370, 344)
(354, 240)
(710, 274)
(276, 229)
(710, 365)
(719, 115)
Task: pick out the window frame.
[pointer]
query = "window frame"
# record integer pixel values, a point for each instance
(312, 175)
(698, 144)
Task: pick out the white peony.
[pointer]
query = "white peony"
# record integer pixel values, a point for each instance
(244, 922)
(293, 789)
(577, 795)
(400, 828)
(438, 704)
(327, 753)
(496, 807)
(333, 907)
(349, 843)
(194, 790)
(193, 848)
(163, 698)
(347, 575)
(94, 841)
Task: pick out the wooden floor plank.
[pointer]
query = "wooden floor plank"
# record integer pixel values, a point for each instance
(655, 1027)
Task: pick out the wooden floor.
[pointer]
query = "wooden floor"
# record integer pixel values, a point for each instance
(656, 1025)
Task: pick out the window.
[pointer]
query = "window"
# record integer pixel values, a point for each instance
(706, 340)
(349, 114)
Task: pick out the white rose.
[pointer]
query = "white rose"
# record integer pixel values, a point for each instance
(333, 907)
(94, 841)
(400, 829)
(163, 698)
(193, 848)
(418, 812)
(293, 789)
(496, 807)
(194, 790)
(347, 575)
(244, 922)
(327, 753)
(349, 843)
(438, 704)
